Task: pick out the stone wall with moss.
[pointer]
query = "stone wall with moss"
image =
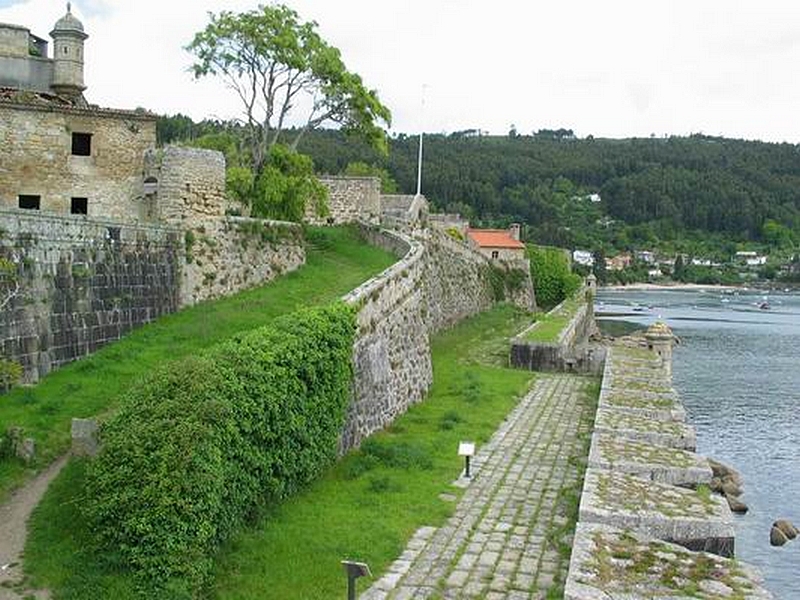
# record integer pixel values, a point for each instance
(71, 285)
(436, 283)
(226, 255)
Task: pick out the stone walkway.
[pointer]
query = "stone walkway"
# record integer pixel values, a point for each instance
(506, 537)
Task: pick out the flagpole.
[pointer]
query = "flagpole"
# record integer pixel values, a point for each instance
(419, 159)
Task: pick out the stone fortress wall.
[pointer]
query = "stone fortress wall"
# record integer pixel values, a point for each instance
(642, 499)
(73, 283)
(350, 199)
(437, 283)
(70, 285)
(185, 188)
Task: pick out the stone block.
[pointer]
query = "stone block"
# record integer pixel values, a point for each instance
(695, 520)
(661, 406)
(84, 437)
(633, 426)
(609, 562)
(657, 463)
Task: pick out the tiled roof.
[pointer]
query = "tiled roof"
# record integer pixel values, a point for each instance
(494, 238)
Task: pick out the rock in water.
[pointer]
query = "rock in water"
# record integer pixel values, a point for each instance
(725, 472)
(736, 505)
(777, 537)
(730, 487)
(786, 528)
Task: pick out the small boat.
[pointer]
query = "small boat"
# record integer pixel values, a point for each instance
(764, 305)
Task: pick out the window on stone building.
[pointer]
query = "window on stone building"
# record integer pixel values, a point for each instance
(79, 206)
(495, 254)
(82, 144)
(30, 202)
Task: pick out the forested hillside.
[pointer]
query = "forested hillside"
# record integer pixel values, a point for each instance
(704, 191)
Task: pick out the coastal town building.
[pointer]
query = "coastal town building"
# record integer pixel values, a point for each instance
(619, 262)
(583, 257)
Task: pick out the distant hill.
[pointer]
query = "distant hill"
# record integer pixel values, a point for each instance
(708, 189)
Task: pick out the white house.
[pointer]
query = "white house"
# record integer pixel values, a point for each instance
(583, 257)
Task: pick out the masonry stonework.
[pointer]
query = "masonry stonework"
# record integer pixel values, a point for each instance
(437, 283)
(38, 159)
(350, 199)
(71, 285)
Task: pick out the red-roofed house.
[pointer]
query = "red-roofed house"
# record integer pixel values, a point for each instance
(498, 244)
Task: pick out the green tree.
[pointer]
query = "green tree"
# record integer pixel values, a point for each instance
(678, 268)
(552, 279)
(286, 184)
(275, 64)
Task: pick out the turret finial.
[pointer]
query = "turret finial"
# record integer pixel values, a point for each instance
(69, 7)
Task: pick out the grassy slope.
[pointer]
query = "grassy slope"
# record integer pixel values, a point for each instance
(551, 324)
(91, 386)
(364, 508)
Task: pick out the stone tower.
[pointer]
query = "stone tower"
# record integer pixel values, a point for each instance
(660, 339)
(68, 37)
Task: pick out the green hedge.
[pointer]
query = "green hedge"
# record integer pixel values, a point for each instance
(553, 280)
(205, 441)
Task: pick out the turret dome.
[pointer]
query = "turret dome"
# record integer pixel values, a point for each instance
(68, 22)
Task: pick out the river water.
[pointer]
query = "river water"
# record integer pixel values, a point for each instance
(737, 370)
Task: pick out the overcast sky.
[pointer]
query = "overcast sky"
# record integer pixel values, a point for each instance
(611, 68)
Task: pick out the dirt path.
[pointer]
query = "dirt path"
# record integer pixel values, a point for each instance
(14, 516)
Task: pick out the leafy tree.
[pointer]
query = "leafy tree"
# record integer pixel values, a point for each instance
(275, 63)
(678, 268)
(599, 267)
(285, 185)
(552, 279)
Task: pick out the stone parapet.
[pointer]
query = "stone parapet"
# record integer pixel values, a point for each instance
(391, 356)
(694, 520)
(436, 283)
(609, 562)
(664, 464)
(643, 490)
(632, 426)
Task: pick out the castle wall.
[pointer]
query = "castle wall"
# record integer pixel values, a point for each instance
(69, 285)
(224, 254)
(14, 40)
(350, 199)
(29, 73)
(391, 356)
(38, 159)
(437, 283)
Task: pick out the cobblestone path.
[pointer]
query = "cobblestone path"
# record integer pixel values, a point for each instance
(508, 537)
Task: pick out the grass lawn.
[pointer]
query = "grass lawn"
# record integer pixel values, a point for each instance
(364, 508)
(336, 263)
(551, 324)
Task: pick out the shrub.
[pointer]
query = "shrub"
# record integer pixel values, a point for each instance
(10, 374)
(552, 279)
(205, 440)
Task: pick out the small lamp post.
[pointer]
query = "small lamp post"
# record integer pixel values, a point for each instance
(467, 450)
(354, 570)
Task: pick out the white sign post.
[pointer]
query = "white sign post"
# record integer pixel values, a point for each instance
(467, 450)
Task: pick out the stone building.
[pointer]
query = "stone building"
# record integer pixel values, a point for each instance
(498, 244)
(61, 155)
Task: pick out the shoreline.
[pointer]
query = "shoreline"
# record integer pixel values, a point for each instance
(672, 286)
